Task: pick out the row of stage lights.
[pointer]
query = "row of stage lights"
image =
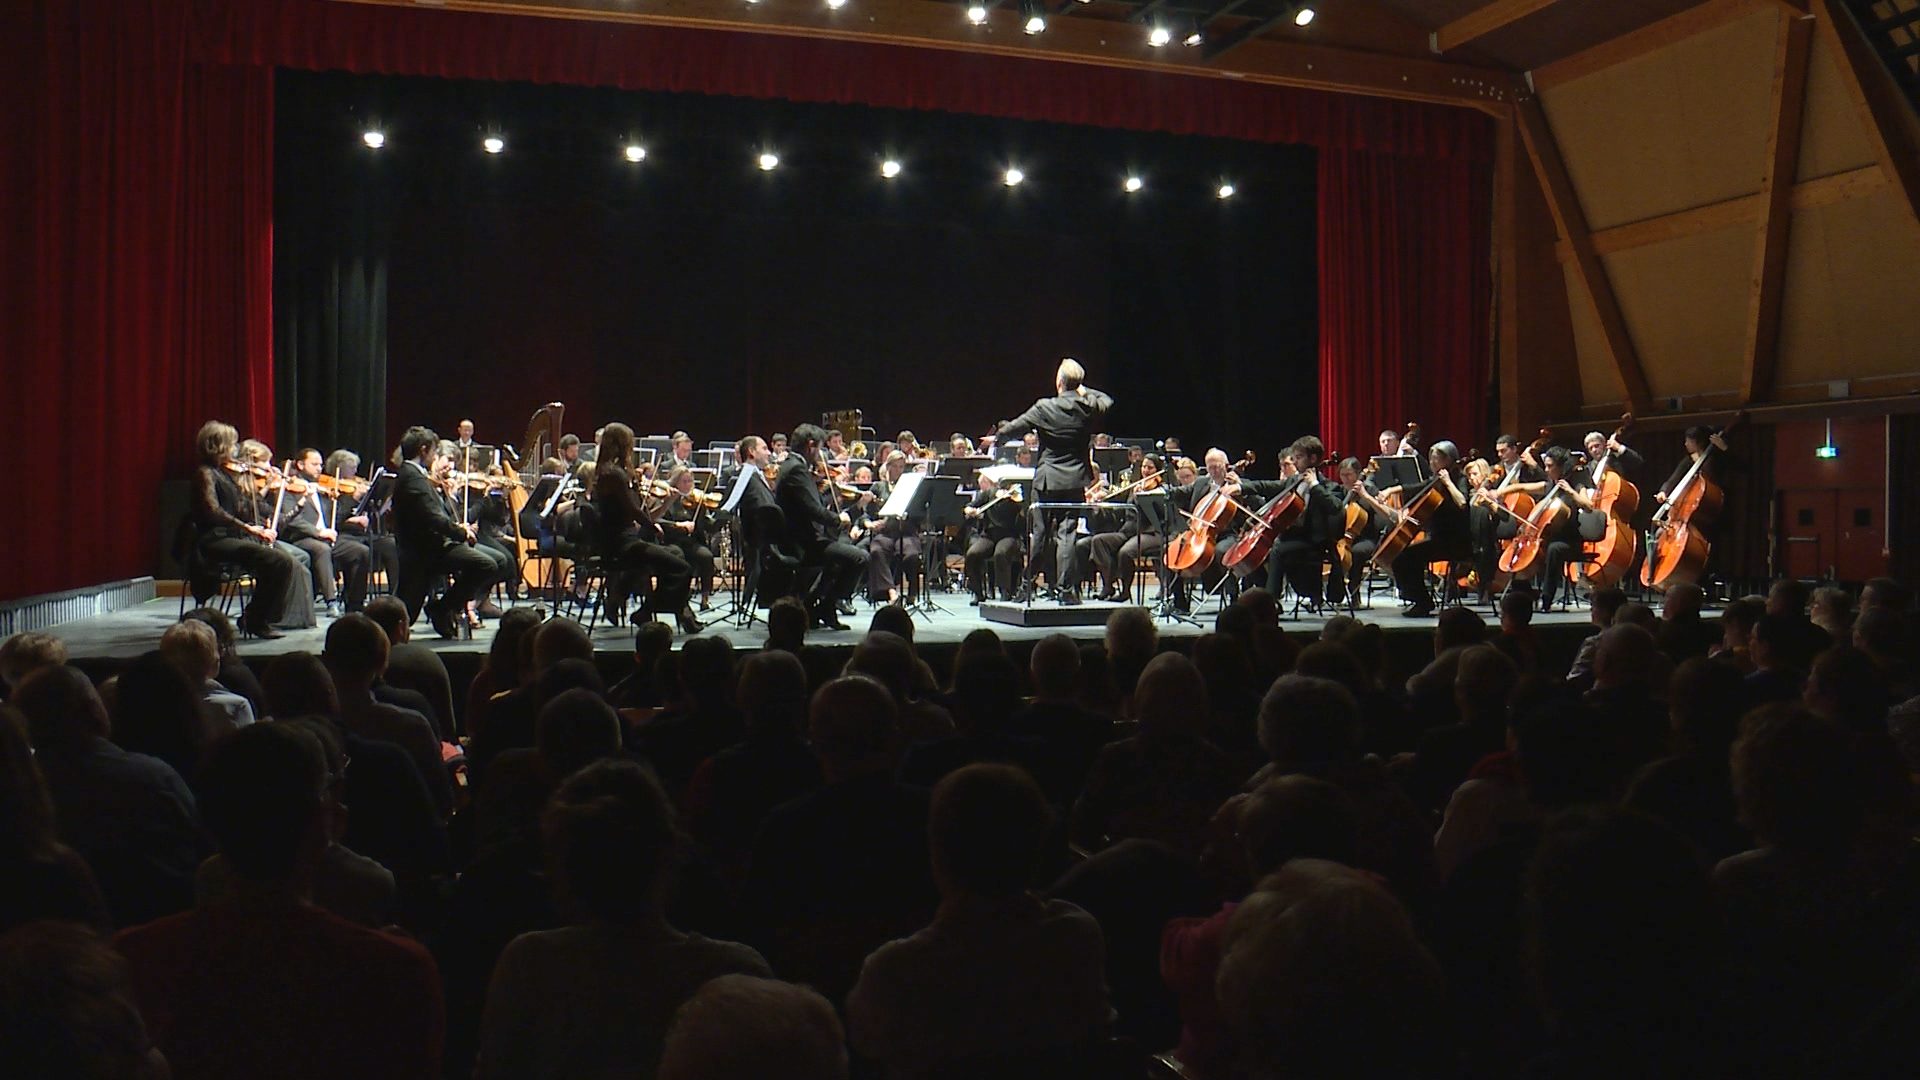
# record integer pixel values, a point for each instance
(1033, 20)
(767, 161)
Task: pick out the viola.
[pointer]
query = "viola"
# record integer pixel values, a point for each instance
(1191, 553)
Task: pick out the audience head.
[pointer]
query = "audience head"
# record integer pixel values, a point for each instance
(651, 640)
(158, 711)
(503, 655)
(569, 674)
(1562, 754)
(1788, 598)
(1226, 666)
(1236, 621)
(740, 1027)
(1682, 601)
(1737, 620)
(222, 627)
(193, 650)
(978, 642)
(390, 615)
(61, 707)
(26, 812)
(1054, 667)
(1262, 603)
(1337, 627)
(986, 692)
(557, 640)
(1308, 721)
(25, 653)
(1483, 682)
(1794, 781)
(1333, 660)
(1458, 625)
(787, 624)
(263, 793)
(1516, 610)
(1832, 609)
(1607, 603)
(1635, 613)
(987, 828)
(1882, 634)
(1845, 686)
(706, 669)
(610, 843)
(1886, 594)
(893, 619)
(356, 651)
(1704, 700)
(575, 728)
(888, 660)
(67, 1009)
(1170, 699)
(1322, 975)
(1625, 656)
(1772, 642)
(1132, 639)
(853, 723)
(1298, 817)
(1095, 688)
(773, 694)
(299, 684)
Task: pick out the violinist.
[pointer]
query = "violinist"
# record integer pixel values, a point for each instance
(432, 544)
(813, 528)
(536, 517)
(363, 523)
(1446, 534)
(478, 498)
(894, 549)
(224, 533)
(777, 447)
(1116, 553)
(305, 524)
(688, 525)
(1489, 522)
(1563, 482)
(1299, 551)
(1062, 426)
(995, 514)
(680, 450)
(1357, 489)
(262, 499)
(628, 537)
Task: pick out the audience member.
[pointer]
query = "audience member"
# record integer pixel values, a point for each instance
(1132, 640)
(1886, 594)
(999, 976)
(1737, 620)
(984, 699)
(1628, 675)
(1095, 690)
(1635, 613)
(45, 878)
(158, 711)
(1484, 682)
(1683, 634)
(595, 998)
(1603, 605)
(1882, 635)
(1517, 637)
(1799, 640)
(261, 982)
(356, 654)
(193, 651)
(639, 690)
(888, 659)
(739, 1027)
(576, 728)
(787, 622)
(27, 652)
(1845, 687)
(1775, 678)
(1692, 789)
(413, 666)
(1226, 667)
(66, 1009)
(1831, 610)
(500, 671)
(1072, 734)
(1165, 782)
(700, 723)
(511, 717)
(234, 673)
(732, 792)
(129, 816)
(892, 619)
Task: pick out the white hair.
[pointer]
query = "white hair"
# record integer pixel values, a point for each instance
(1071, 374)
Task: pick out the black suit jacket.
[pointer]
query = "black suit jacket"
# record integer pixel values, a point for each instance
(421, 524)
(1065, 423)
(809, 522)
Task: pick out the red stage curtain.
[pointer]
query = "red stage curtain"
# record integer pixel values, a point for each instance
(138, 266)
(138, 198)
(1405, 293)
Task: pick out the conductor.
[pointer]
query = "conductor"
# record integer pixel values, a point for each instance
(1065, 424)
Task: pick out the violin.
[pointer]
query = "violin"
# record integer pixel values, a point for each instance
(1191, 553)
(351, 487)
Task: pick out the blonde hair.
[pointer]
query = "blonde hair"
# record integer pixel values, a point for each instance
(1071, 374)
(216, 441)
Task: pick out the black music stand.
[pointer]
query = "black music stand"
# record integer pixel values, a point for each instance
(933, 503)
(1401, 469)
(964, 467)
(1110, 460)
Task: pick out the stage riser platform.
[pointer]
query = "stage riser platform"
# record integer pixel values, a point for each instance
(1052, 616)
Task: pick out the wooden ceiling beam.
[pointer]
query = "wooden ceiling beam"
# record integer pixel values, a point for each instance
(1768, 287)
(1654, 36)
(1808, 195)
(1482, 21)
(1589, 274)
(935, 25)
(1889, 124)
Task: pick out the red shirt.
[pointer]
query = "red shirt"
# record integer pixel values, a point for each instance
(287, 992)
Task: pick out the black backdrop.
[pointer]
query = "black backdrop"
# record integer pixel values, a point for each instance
(429, 281)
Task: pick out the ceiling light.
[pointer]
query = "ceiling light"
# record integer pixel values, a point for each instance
(1035, 16)
(1192, 39)
(1303, 15)
(889, 168)
(768, 161)
(1159, 36)
(493, 144)
(374, 139)
(636, 153)
(836, 5)
(1225, 191)
(1133, 184)
(976, 13)
(1013, 176)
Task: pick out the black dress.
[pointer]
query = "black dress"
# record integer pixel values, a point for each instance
(221, 536)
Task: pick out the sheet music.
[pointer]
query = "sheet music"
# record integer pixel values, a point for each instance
(999, 474)
(902, 496)
(740, 488)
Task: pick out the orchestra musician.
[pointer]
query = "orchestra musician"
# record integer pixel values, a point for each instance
(362, 523)
(1606, 453)
(1563, 544)
(1063, 426)
(1299, 551)
(689, 527)
(1447, 538)
(299, 612)
(466, 451)
(1355, 487)
(485, 508)
(814, 529)
(225, 533)
(996, 539)
(680, 453)
(1697, 439)
(569, 449)
(1187, 496)
(628, 537)
(958, 445)
(306, 526)
(1118, 553)
(1487, 522)
(890, 538)
(431, 543)
(777, 447)
(1389, 443)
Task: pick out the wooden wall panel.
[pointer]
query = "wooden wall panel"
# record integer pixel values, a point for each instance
(1832, 141)
(1599, 380)
(1681, 127)
(1852, 307)
(1686, 302)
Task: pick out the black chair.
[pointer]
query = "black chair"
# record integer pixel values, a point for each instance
(204, 580)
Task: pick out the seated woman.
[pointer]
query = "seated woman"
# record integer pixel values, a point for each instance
(225, 533)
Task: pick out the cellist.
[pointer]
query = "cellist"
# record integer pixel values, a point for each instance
(1298, 552)
(1446, 538)
(1184, 497)
(1488, 521)
(1563, 541)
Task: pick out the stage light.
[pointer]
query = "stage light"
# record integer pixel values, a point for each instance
(1159, 36)
(374, 139)
(1192, 39)
(1133, 184)
(493, 144)
(1225, 191)
(1035, 15)
(769, 161)
(1303, 14)
(976, 13)
(889, 168)
(836, 5)
(1013, 176)
(636, 153)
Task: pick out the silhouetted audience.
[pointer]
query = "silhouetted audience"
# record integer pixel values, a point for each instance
(66, 1009)
(158, 711)
(739, 1027)
(45, 878)
(1164, 782)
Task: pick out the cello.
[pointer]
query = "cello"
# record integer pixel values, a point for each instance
(1191, 553)
(1610, 557)
(1415, 515)
(1278, 514)
(1677, 546)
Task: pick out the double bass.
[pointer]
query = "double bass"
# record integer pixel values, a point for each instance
(1677, 545)
(1190, 554)
(1610, 557)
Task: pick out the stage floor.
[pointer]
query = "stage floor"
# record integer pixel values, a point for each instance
(126, 634)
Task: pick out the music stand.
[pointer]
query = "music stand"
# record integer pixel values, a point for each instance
(1401, 469)
(1110, 460)
(964, 467)
(930, 503)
